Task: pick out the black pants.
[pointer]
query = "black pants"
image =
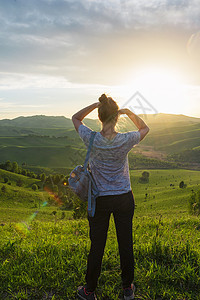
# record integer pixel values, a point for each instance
(122, 206)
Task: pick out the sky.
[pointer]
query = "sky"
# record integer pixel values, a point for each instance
(58, 56)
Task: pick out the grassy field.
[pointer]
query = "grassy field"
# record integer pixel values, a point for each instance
(45, 258)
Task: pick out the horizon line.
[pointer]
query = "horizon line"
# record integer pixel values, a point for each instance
(142, 115)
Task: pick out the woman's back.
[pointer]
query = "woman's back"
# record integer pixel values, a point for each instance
(109, 160)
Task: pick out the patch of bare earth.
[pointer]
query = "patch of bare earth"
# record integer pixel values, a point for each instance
(150, 152)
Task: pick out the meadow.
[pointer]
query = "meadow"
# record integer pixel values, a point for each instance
(44, 257)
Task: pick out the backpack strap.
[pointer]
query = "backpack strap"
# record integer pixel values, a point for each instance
(92, 197)
(89, 149)
(90, 211)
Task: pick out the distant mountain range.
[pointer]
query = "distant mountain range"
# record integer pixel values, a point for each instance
(49, 140)
(38, 121)
(42, 121)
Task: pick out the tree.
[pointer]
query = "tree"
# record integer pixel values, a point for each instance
(15, 167)
(33, 175)
(56, 178)
(49, 179)
(34, 187)
(24, 172)
(182, 185)
(8, 165)
(144, 178)
(43, 177)
(145, 174)
(62, 176)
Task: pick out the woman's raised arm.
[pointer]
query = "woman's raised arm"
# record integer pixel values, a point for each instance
(81, 114)
(139, 123)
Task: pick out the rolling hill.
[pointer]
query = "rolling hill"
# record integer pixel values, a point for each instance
(50, 141)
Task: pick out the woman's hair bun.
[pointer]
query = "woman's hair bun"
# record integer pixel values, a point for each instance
(103, 99)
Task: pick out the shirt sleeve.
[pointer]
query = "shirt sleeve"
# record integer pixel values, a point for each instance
(133, 138)
(84, 133)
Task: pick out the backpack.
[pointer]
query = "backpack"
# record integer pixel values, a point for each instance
(82, 182)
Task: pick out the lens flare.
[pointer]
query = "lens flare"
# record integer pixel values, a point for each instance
(193, 44)
(23, 228)
(53, 196)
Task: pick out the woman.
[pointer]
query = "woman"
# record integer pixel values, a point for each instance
(109, 166)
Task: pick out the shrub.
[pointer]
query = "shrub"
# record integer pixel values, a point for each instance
(182, 185)
(3, 189)
(194, 203)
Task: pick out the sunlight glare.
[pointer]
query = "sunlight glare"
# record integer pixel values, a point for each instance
(162, 87)
(155, 77)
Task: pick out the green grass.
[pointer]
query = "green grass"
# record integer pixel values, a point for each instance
(163, 198)
(34, 141)
(46, 156)
(50, 260)
(47, 259)
(19, 203)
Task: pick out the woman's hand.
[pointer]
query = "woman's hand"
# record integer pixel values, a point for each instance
(123, 111)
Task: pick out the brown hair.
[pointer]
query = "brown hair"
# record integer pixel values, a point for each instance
(108, 110)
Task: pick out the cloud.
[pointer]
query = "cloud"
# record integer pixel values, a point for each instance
(89, 40)
(12, 81)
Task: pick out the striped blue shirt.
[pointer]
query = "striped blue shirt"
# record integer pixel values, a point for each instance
(109, 160)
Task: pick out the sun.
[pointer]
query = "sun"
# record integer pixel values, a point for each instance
(155, 77)
(162, 87)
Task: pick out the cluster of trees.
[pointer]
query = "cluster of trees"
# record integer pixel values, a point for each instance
(189, 156)
(138, 161)
(20, 183)
(15, 168)
(56, 184)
